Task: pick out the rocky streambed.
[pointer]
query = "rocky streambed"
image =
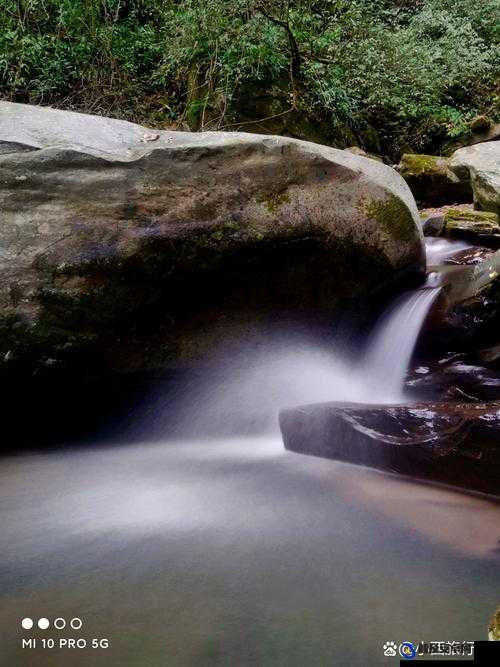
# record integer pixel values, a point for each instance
(125, 250)
(447, 427)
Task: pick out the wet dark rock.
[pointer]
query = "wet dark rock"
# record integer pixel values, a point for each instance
(470, 257)
(458, 377)
(468, 309)
(454, 443)
(490, 356)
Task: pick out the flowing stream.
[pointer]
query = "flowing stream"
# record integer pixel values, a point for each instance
(217, 547)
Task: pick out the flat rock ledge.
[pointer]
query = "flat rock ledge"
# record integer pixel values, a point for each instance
(446, 442)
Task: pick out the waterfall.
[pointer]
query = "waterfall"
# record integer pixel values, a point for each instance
(243, 392)
(247, 384)
(392, 344)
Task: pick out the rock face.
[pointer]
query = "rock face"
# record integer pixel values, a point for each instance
(494, 627)
(457, 377)
(471, 301)
(454, 443)
(105, 223)
(431, 180)
(480, 165)
(433, 224)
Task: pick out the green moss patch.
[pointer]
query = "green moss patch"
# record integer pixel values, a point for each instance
(457, 221)
(413, 164)
(394, 217)
(274, 201)
(452, 214)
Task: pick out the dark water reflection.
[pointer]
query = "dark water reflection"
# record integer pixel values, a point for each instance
(233, 552)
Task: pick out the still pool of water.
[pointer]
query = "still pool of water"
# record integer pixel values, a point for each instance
(235, 552)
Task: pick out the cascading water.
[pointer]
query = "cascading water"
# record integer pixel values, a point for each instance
(437, 249)
(248, 384)
(395, 336)
(244, 391)
(393, 342)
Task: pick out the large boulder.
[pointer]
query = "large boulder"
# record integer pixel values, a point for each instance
(106, 224)
(431, 180)
(455, 443)
(480, 165)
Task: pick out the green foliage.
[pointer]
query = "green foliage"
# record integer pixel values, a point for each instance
(425, 77)
(415, 71)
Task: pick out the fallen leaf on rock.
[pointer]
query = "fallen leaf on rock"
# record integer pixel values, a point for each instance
(150, 136)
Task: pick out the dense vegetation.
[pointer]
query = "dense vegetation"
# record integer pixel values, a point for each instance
(388, 74)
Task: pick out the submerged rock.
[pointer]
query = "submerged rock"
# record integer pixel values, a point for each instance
(431, 180)
(454, 443)
(479, 165)
(106, 224)
(470, 256)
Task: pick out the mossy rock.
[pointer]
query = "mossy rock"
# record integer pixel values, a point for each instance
(413, 164)
(470, 215)
(478, 226)
(431, 181)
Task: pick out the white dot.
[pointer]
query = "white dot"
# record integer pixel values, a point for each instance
(43, 623)
(27, 623)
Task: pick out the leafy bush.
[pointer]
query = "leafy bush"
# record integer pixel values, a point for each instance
(414, 73)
